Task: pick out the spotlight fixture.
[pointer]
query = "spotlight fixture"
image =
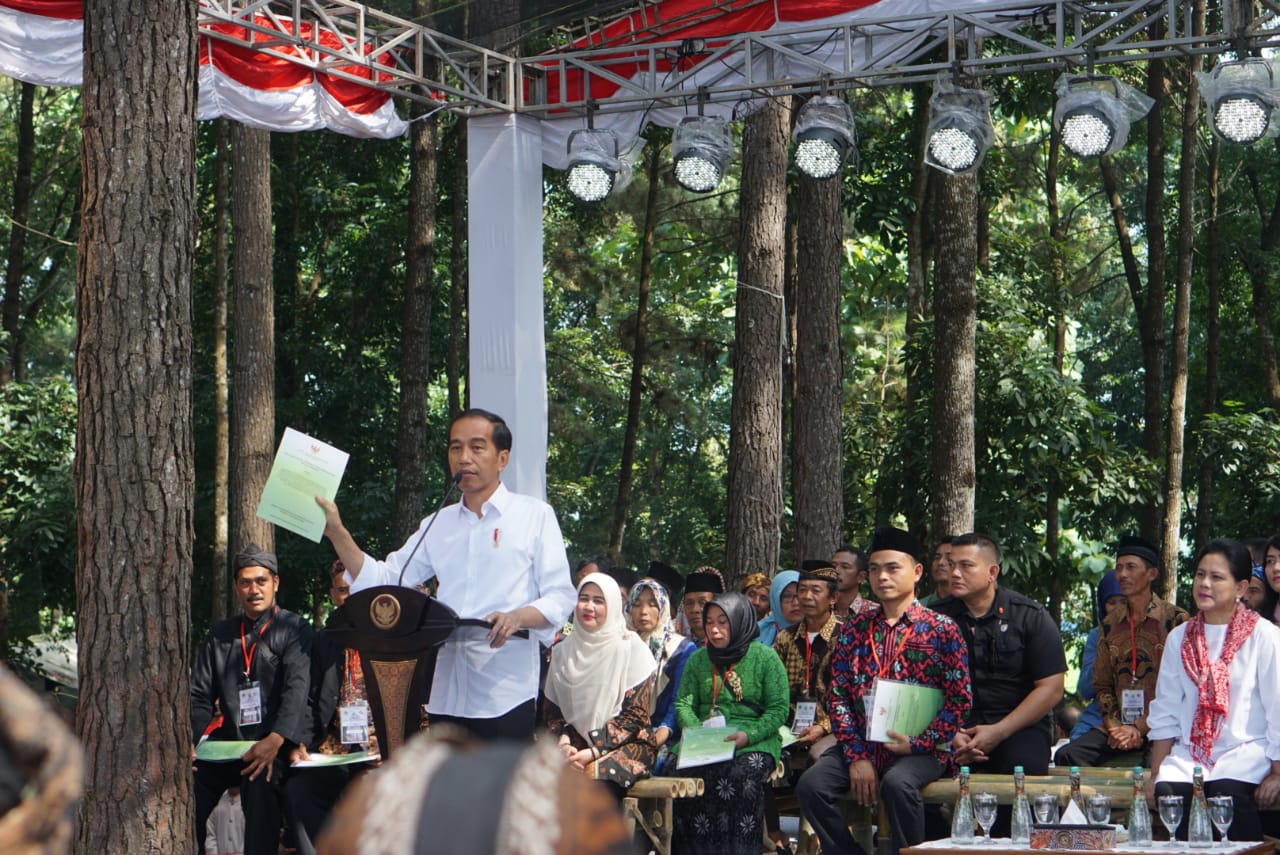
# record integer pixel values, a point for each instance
(593, 164)
(824, 135)
(960, 130)
(700, 150)
(1094, 112)
(1240, 95)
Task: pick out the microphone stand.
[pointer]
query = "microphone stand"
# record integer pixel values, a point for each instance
(453, 485)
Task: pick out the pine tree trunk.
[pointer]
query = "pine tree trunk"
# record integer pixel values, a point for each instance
(817, 465)
(754, 509)
(220, 570)
(415, 340)
(1172, 523)
(134, 469)
(456, 352)
(954, 328)
(1212, 334)
(639, 357)
(1151, 314)
(919, 244)
(253, 360)
(15, 266)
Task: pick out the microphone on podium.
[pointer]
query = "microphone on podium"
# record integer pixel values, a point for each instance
(453, 485)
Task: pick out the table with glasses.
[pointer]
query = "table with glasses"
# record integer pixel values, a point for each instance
(1008, 847)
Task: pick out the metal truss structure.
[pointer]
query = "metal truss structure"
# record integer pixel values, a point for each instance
(987, 41)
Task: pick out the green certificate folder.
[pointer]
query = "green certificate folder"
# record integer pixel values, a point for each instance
(703, 746)
(222, 750)
(904, 708)
(304, 468)
(318, 761)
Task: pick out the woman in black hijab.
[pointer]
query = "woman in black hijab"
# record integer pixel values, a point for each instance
(737, 684)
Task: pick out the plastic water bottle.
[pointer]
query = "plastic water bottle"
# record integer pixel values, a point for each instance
(1020, 829)
(962, 817)
(1139, 815)
(1199, 828)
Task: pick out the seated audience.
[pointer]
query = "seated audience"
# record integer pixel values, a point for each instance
(850, 564)
(649, 616)
(1217, 696)
(440, 796)
(1128, 660)
(899, 640)
(756, 587)
(1109, 598)
(784, 606)
(738, 683)
(939, 572)
(599, 690)
(699, 587)
(1016, 664)
(805, 651)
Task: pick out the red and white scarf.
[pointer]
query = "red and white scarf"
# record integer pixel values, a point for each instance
(1213, 678)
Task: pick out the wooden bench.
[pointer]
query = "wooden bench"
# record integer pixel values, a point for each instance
(648, 806)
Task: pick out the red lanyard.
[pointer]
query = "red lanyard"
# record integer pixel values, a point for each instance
(808, 657)
(882, 670)
(1133, 650)
(715, 689)
(249, 651)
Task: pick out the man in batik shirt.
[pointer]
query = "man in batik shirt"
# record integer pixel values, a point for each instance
(899, 641)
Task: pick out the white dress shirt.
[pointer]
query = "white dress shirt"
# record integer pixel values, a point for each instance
(1249, 739)
(510, 556)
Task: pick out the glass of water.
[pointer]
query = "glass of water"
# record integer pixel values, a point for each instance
(1045, 806)
(984, 811)
(1222, 810)
(1099, 808)
(1171, 815)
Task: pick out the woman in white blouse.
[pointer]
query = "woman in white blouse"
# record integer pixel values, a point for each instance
(1219, 677)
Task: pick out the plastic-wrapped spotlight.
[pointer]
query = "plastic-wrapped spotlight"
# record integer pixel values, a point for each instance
(960, 129)
(700, 151)
(1094, 112)
(824, 135)
(593, 164)
(1240, 96)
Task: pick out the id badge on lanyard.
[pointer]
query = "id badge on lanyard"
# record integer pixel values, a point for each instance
(1132, 704)
(806, 713)
(250, 703)
(353, 723)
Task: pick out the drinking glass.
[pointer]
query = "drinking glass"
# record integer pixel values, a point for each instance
(1045, 806)
(1171, 815)
(1099, 809)
(984, 810)
(1222, 810)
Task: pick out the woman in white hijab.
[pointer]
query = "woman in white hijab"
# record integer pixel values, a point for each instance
(599, 690)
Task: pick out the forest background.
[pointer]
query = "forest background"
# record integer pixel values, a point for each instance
(1076, 409)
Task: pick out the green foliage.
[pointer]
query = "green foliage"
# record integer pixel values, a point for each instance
(37, 511)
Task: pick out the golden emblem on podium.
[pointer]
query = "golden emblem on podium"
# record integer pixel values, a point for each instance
(385, 611)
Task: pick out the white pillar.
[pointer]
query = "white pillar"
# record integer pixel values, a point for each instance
(508, 371)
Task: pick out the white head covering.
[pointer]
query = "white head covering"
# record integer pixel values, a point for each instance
(592, 670)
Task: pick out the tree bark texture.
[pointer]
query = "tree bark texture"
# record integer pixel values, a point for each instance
(15, 264)
(221, 565)
(415, 340)
(639, 356)
(919, 241)
(253, 413)
(754, 509)
(955, 304)
(456, 352)
(1260, 275)
(1172, 522)
(134, 471)
(817, 464)
(1151, 310)
(1212, 335)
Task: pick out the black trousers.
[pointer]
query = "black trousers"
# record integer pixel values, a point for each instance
(1247, 823)
(260, 799)
(824, 784)
(516, 724)
(1092, 749)
(311, 795)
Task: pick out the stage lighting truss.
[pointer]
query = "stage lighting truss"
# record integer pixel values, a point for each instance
(700, 151)
(825, 135)
(593, 164)
(1239, 96)
(1094, 112)
(960, 131)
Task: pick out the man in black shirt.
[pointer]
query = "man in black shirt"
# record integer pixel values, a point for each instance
(256, 668)
(1016, 663)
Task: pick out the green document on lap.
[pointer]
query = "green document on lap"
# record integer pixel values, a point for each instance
(703, 746)
(316, 761)
(222, 750)
(904, 708)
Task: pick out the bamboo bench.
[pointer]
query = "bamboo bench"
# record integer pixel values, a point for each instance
(648, 806)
